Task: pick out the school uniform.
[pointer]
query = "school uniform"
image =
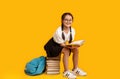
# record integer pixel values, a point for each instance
(53, 47)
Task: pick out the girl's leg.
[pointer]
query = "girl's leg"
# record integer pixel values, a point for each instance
(66, 52)
(75, 57)
(75, 63)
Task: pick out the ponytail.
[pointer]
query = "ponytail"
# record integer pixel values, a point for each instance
(63, 36)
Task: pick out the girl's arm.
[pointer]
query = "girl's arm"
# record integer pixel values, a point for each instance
(72, 47)
(63, 45)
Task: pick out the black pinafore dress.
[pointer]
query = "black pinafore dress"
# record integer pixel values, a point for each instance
(52, 48)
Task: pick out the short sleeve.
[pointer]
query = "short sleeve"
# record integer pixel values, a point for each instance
(57, 37)
(73, 34)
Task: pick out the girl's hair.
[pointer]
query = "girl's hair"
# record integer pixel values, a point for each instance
(62, 18)
(64, 14)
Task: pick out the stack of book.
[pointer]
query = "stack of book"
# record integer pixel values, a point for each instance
(53, 65)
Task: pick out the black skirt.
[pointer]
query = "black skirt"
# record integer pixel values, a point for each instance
(52, 48)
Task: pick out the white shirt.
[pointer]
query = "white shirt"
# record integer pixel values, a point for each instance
(57, 37)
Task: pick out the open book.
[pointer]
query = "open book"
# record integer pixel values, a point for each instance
(76, 43)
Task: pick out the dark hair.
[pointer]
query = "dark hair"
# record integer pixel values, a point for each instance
(64, 14)
(62, 18)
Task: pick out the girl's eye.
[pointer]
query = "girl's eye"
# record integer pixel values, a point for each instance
(67, 20)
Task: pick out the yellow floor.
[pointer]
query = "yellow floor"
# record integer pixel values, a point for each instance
(26, 25)
(15, 70)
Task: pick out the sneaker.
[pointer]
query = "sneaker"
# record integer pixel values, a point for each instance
(69, 75)
(79, 71)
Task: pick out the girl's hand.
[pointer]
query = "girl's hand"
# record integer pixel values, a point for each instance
(73, 47)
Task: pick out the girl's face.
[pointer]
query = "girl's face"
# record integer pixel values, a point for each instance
(67, 21)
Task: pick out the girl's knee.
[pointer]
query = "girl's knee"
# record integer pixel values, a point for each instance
(66, 51)
(75, 51)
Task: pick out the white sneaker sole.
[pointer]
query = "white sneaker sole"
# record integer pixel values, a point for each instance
(68, 78)
(80, 75)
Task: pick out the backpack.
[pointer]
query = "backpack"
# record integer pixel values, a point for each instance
(36, 66)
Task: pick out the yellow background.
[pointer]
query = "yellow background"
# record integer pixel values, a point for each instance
(26, 25)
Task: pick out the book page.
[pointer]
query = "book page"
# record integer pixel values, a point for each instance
(76, 43)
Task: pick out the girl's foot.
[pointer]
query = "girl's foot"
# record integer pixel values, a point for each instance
(69, 75)
(79, 71)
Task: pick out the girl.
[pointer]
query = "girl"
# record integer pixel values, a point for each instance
(57, 44)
